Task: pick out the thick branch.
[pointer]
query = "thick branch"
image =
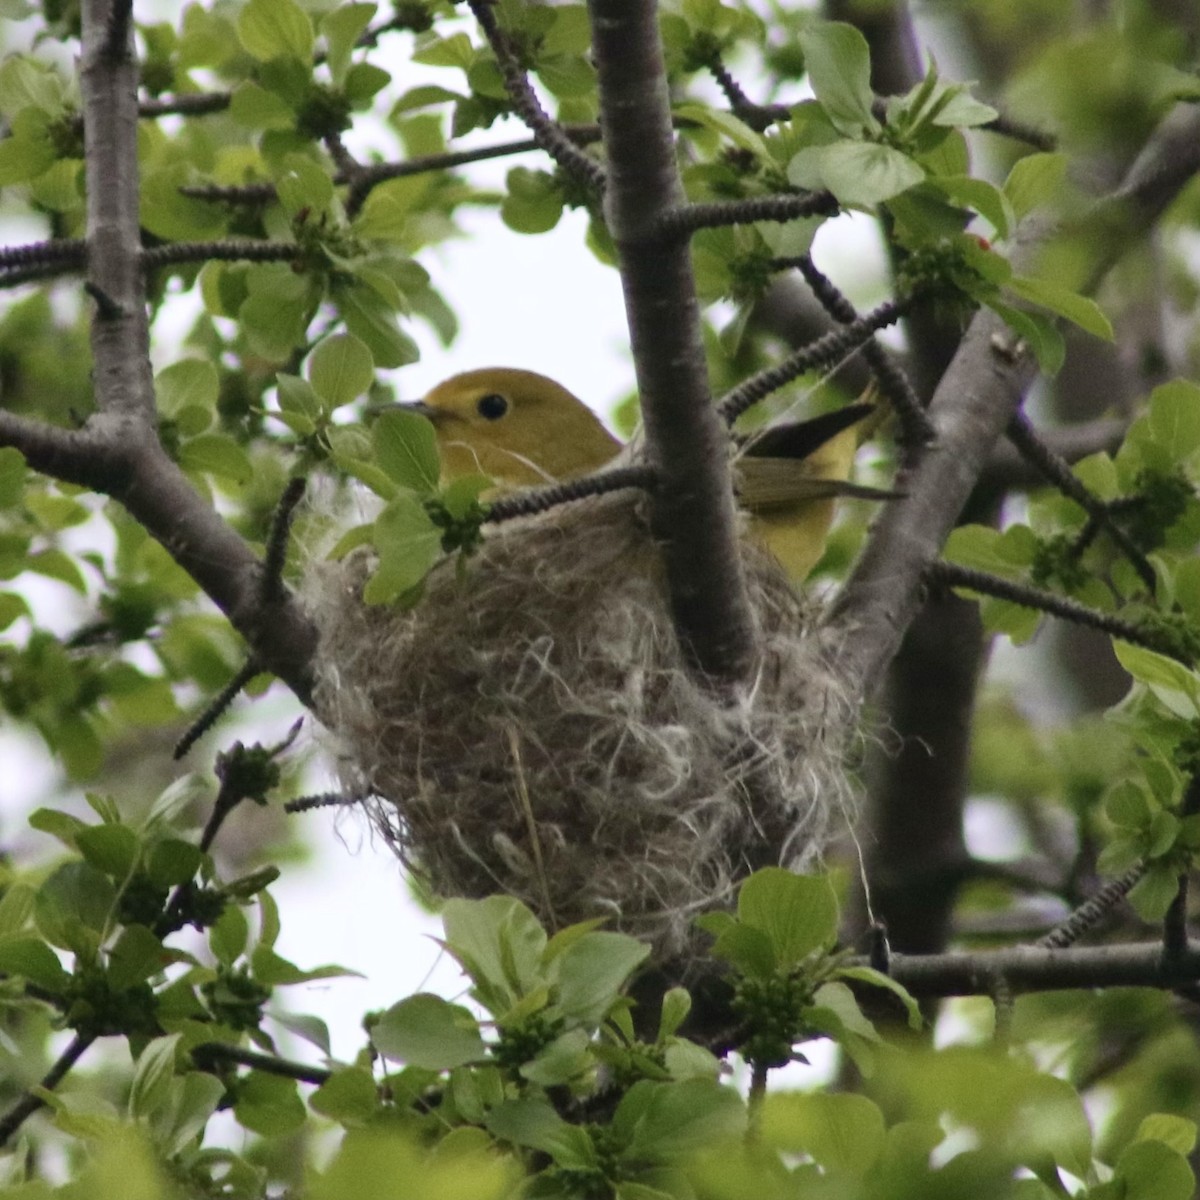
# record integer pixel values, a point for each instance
(120, 330)
(693, 509)
(1035, 969)
(974, 402)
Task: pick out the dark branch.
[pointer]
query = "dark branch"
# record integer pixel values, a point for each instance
(824, 352)
(208, 1054)
(1058, 472)
(71, 251)
(1092, 911)
(229, 251)
(548, 134)
(682, 219)
(976, 398)
(1041, 969)
(216, 708)
(893, 382)
(30, 1103)
(952, 575)
(692, 511)
(540, 500)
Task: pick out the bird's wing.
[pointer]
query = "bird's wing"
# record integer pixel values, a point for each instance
(765, 483)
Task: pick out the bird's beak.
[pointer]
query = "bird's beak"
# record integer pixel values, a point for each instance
(422, 410)
(436, 415)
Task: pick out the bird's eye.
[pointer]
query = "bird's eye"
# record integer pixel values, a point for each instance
(492, 406)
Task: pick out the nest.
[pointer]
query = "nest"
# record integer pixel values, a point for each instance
(530, 728)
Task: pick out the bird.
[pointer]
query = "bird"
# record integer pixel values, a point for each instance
(523, 429)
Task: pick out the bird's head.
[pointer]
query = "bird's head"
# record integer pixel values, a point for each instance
(517, 427)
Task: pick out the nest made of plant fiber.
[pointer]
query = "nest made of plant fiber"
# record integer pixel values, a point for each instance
(531, 727)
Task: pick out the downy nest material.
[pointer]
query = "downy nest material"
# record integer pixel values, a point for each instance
(530, 728)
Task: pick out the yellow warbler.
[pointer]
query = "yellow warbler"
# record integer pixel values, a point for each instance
(521, 429)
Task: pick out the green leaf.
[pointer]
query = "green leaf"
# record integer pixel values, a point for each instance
(838, 62)
(188, 384)
(340, 369)
(349, 1096)
(30, 958)
(798, 913)
(276, 28)
(565, 1059)
(73, 907)
(1151, 1170)
(151, 1089)
(499, 943)
(194, 1100)
(61, 825)
(408, 544)
(368, 316)
(864, 173)
(1035, 180)
(843, 1133)
(535, 1124)
(1177, 1132)
(275, 970)
(173, 861)
(341, 29)
(591, 972)
(1153, 894)
(878, 979)
(426, 1031)
(112, 848)
(985, 198)
(534, 201)
(268, 1104)
(676, 1004)
(304, 186)
(256, 108)
(229, 935)
(136, 956)
(1171, 681)
(217, 454)
(661, 1122)
(16, 907)
(726, 124)
(1080, 310)
(405, 446)
(1174, 418)
(12, 476)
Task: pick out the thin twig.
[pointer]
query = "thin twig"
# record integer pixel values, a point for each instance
(29, 1103)
(687, 218)
(229, 251)
(1025, 438)
(275, 558)
(1092, 911)
(548, 133)
(209, 1053)
(54, 250)
(540, 500)
(893, 382)
(321, 800)
(824, 352)
(953, 575)
(216, 707)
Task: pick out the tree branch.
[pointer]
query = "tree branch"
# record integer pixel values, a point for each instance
(974, 402)
(684, 218)
(246, 250)
(687, 445)
(548, 134)
(824, 352)
(1042, 969)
